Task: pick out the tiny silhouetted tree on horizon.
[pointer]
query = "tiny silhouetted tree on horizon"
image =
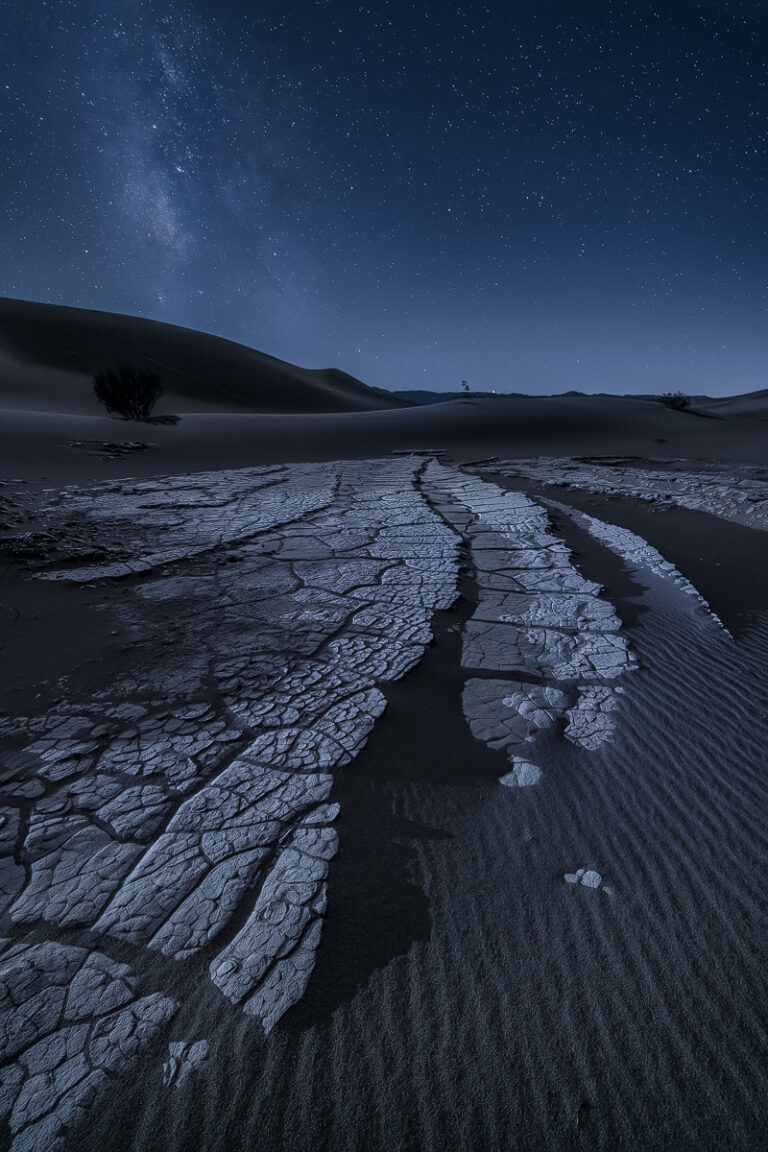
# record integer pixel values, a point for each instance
(677, 400)
(465, 386)
(132, 392)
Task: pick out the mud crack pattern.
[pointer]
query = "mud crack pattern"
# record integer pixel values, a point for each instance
(185, 810)
(536, 616)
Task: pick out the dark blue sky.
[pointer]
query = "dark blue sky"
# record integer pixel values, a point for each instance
(532, 197)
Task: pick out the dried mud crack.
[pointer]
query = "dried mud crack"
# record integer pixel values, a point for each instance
(304, 638)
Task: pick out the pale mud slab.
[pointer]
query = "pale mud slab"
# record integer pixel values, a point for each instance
(185, 809)
(523, 774)
(72, 1021)
(536, 616)
(172, 841)
(636, 552)
(737, 492)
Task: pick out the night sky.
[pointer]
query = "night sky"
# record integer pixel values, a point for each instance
(530, 196)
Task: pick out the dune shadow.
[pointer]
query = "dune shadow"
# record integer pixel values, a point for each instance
(169, 418)
(376, 910)
(420, 756)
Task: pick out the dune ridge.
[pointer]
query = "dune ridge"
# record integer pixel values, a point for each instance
(51, 352)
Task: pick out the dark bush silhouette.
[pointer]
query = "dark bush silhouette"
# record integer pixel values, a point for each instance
(130, 391)
(677, 400)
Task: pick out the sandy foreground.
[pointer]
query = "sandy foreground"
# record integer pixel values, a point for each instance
(385, 780)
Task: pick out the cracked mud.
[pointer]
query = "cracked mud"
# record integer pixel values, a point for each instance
(187, 809)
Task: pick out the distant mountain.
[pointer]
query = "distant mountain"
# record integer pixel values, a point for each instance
(49, 354)
(423, 396)
(657, 396)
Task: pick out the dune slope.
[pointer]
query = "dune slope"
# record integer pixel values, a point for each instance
(49, 354)
(752, 404)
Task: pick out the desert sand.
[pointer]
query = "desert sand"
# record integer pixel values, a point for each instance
(376, 776)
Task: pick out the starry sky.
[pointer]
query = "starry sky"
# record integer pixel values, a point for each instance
(533, 197)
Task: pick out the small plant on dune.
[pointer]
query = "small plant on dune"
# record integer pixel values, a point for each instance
(132, 392)
(676, 400)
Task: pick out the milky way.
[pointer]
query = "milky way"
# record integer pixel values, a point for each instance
(571, 197)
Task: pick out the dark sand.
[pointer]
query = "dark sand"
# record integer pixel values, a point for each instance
(37, 445)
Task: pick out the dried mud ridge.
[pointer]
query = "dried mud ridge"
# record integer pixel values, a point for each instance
(185, 810)
(734, 492)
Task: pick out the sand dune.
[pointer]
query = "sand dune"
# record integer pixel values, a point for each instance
(49, 354)
(753, 404)
(39, 444)
(360, 791)
(241, 408)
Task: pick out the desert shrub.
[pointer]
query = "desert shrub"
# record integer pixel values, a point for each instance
(132, 392)
(678, 400)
